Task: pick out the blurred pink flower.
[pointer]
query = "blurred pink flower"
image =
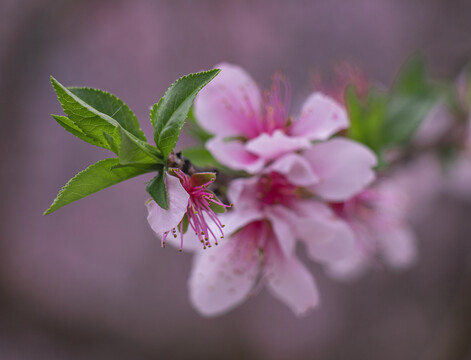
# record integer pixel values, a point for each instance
(377, 217)
(252, 129)
(272, 211)
(189, 201)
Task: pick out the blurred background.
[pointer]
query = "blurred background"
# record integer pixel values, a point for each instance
(91, 281)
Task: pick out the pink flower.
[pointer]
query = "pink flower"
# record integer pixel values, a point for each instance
(252, 129)
(272, 211)
(190, 203)
(377, 217)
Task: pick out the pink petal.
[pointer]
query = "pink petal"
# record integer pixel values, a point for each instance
(327, 237)
(234, 155)
(399, 248)
(343, 166)
(283, 224)
(242, 192)
(230, 104)
(235, 220)
(272, 146)
(219, 281)
(161, 220)
(321, 117)
(191, 242)
(349, 268)
(290, 282)
(296, 169)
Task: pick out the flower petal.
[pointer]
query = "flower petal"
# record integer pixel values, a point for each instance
(235, 220)
(321, 117)
(343, 166)
(399, 248)
(230, 104)
(327, 237)
(283, 224)
(272, 146)
(296, 169)
(161, 220)
(290, 282)
(242, 192)
(349, 268)
(234, 155)
(219, 281)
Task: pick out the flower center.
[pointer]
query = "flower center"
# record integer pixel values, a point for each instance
(274, 188)
(250, 243)
(200, 209)
(276, 104)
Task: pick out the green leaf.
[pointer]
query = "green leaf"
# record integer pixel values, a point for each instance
(366, 118)
(135, 151)
(404, 116)
(218, 209)
(185, 224)
(92, 122)
(202, 178)
(384, 120)
(200, 157)
(411, 78)
(411, 98)
(158, 190)
(153, 113)
(94, 178)
(112, 106)
(168, 117)
(195, 130)
(110, 139)
(69, 126)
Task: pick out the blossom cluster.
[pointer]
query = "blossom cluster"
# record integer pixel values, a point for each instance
(300, 179)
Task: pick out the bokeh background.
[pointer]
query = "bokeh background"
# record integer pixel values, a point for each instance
(91, 281)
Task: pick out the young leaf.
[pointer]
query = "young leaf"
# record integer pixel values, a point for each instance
(94, 178)
(135, 151)
(168, 117)
(69, 126)
(158, 190)
(91, 121)
(112, 106)
(153, 113)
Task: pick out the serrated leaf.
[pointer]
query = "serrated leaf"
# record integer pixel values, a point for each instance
(135, 151)
(171, 112)
(94, 178)
(158, 190)
(112, 106)
(70, 127)
(153, 113)
(110, 139)
(92, 122)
